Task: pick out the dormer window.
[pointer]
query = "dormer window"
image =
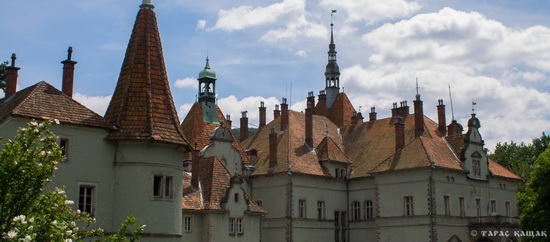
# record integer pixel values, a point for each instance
(476, 167)
(340, 173)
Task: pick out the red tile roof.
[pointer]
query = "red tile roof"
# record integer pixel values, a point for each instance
(291, 145)
(142, 106)
(341, 110)
(199, 132)
(328, 150)
(214, 181)
(43, 101)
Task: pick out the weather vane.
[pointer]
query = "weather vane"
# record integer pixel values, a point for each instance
(331, 15)
(473, 107)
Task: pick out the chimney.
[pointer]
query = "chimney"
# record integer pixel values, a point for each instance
(394, 110)
(244, 126)
(403, 109)
(354, 117)
(262, 115)
(309, 125)
(322, 105)
(399, 133)
(229, 122)
(272, 148)
(11, 77)
(441, 116)
(418, 117)
(276, 112)
(284, 114)
(195, 156)
(360, 117)
(311, 101)
(68, 73)
(372, 114)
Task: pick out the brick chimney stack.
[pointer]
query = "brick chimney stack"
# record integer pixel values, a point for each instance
(311, 101)
(322, 105)
(418, 117)
(454, 128)
(229, 122)
(272, 148)
(68, 73)
(394, 110)
(360, 117)
(354, 118)
(309, 125)
(399, 133)
(195, 156)
(11, 77)
(276, 112)
(284, 114)
(262, 115)
(441, 119)
(372, 114)
(244, 126)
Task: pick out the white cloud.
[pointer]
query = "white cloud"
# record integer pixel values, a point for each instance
(188, 82)
(97, 104)
(301, 53)
(201, 24)
(247, 16)
(370, 11)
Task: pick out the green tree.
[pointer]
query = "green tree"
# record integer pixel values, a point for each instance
(27, 213)
(520, 158)
(534, 202)
(3, 75)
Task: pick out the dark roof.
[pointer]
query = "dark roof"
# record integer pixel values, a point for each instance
(199, 132)
(43, 101)
(291, 145)
(142, 106)
(214, 181)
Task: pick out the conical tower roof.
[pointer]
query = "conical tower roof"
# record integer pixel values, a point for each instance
(142, 107)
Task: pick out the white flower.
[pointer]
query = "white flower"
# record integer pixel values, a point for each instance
(54, 222)
(73, 224)
(33, 123)
(31, 220)
(42, 152)
(69, 232)
(78, 211)
(68, 240)
(56, 121)
(12, 234)
(69, 202)
(27, 238)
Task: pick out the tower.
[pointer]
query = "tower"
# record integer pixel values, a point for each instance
(332, 72)
(207, 94)
(147, 136)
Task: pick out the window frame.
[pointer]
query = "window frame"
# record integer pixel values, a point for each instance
(447, 205)
(320, 210)
(65, 149)
(356, 211)
(493, 206)
(478, 206)
(508, 206)
(302, 208)
(239, 225)
(162, 189)
(369, 209)
(231, 225)
(408, 206)
(188, 224)
(92, 196)
(461, 206)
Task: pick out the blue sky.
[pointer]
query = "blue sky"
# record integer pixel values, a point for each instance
(496, 53)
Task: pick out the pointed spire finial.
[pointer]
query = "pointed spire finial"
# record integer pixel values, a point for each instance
(473, 107)
(147, 4)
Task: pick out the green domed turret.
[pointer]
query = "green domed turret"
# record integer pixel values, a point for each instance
(207, 72)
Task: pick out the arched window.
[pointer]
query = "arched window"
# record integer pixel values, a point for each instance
(356, 211)
(369, 210)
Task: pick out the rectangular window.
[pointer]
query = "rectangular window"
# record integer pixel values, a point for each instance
(461, 205)
(447, 204)
(64, 145)
(340, 226)
(163, 186)
(86, 199)
(240, 229)
(302, 208)
(187, 224)
(320, 210)
(369, 214)
(493, 206)
(356, 211)
(475, 167)
(231, 225)
(408, 206)
(507, 208)
(336, 219)
(478, 207)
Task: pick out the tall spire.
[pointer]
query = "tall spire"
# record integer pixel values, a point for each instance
(142, 107)
(332, 71)
(147, 4)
